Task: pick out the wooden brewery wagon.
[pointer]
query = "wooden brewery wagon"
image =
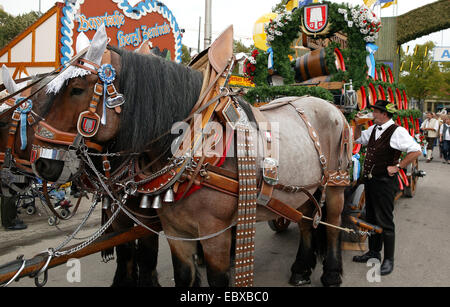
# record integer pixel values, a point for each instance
(332, 63)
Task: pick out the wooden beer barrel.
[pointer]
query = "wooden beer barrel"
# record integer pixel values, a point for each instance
(391, 97)
(314, 64)
(376, 75)
(383, 74)
(399, 97)
(390, 76)
(381, 93)
(371, 94)
(405, 100)
(362, 98)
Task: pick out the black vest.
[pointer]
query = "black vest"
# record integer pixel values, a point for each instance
(380, 154)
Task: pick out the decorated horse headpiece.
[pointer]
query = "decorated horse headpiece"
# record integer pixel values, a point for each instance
(89, 121)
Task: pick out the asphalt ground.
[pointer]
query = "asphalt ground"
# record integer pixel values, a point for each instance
(421, 258)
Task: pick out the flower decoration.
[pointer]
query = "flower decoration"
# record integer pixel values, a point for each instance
(273, 27)
(250, 65)
(365, 19)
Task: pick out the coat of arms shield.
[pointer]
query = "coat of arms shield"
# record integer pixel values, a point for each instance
(315, 17)
(88, 124)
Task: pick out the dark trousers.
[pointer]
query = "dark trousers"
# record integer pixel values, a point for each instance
(8, 210)
(446, 150)
(380, 195)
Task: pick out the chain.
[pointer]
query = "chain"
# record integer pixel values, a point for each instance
(94, 237)
(77, 230)
(137, 221)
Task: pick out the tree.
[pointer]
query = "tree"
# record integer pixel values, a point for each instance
(185, 55)
(280, 7)
(444, 93)
(421, 76)
(238, 46)
(11, 26)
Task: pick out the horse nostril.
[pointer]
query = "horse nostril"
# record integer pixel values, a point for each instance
(49, 170)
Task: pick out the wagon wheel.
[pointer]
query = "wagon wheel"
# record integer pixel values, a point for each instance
(413, 177)
(279, 225)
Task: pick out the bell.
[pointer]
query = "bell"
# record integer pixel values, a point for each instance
(157, 202)
(169, 198)
(106, 203)
(145, 202)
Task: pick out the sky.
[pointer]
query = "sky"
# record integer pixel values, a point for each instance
(241, 13)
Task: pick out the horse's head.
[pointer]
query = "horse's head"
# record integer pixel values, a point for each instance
(157, 93)
(83, 102)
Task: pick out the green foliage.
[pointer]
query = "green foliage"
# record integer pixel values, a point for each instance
(354, 55)
(423, 21)
(239, 46)
(424, 79)
(185, 55)
(268, 93)
(280, 7)
(11, 26)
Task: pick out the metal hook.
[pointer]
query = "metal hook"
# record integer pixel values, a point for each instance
(44, 270)
(43, 283)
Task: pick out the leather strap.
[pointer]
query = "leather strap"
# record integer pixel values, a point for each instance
(315, 138)
(270, 151)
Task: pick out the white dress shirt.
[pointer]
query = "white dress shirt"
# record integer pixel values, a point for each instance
(445, 137)
(400, 139)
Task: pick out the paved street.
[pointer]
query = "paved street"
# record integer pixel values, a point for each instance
(422, 248)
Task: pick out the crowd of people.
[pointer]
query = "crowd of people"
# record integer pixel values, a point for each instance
(436, 128)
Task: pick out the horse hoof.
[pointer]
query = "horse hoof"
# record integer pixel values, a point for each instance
(331, 280)
(299, 280)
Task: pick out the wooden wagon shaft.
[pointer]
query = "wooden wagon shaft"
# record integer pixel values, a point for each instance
(34, 264)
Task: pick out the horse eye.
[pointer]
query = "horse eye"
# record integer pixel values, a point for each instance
(76, 91)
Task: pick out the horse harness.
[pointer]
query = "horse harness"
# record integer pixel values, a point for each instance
(185, 171)
(15, 170)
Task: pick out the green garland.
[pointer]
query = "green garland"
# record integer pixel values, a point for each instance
(354, 56)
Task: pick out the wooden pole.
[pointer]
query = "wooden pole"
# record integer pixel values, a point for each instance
(34, 264)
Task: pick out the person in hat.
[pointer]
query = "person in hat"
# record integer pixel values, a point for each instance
(385, 142)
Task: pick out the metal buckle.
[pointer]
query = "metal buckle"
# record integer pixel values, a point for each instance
(323, 159)
(98, 89)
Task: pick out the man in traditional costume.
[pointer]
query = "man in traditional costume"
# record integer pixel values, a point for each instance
(385, 142)
(430, 126)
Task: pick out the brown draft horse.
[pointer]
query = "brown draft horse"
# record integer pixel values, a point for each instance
(159, 93)
(136, 263)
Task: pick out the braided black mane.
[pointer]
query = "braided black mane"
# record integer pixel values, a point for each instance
(158, 93)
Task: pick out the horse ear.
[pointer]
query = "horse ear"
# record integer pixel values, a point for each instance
(98, 45)
(144, 49)
(82, 42)
(8, 81)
